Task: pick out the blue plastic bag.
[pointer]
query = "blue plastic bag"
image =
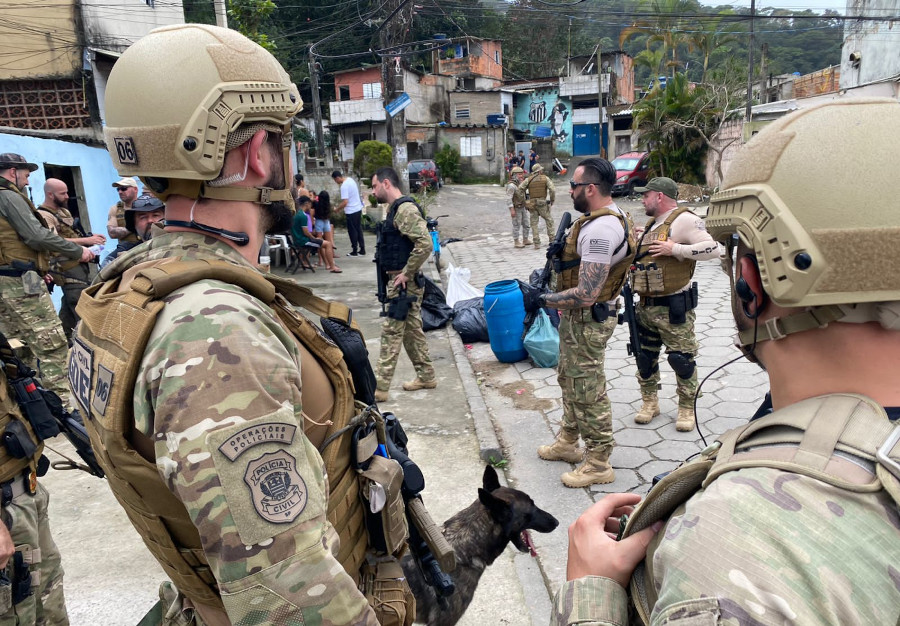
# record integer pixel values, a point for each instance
(542, 341)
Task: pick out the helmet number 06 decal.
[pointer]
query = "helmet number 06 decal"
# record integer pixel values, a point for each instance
(125, 150)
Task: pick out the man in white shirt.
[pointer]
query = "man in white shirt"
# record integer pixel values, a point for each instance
(352, 206)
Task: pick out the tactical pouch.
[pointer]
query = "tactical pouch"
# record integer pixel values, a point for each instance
(33, 284)
(655, 283)
(600, 312)
(379, 486)
(18, 441)
(20, 577)
(35, 408)
(639, 281)
(385, 587)
(694, 295)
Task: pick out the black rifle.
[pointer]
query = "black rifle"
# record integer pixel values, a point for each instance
(45, 411)
(634, 337)
(554, 251)
(396, 308)
(429, 548)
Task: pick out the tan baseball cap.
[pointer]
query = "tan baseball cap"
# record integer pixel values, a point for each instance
(128, 181)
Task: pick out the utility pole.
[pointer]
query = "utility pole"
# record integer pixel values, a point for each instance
(321, 152)
(221, 14)
(763, 74)
(748, 114)
(398, 14)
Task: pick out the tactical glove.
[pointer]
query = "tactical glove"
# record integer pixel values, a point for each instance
(533, 300)
(555, 248)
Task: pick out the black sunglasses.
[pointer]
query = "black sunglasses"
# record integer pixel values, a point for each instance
(574, 185)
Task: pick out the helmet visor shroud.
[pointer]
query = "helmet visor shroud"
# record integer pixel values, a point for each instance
(219, 88)
(825, 249)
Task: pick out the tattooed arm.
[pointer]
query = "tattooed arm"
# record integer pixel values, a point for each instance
(591, 277)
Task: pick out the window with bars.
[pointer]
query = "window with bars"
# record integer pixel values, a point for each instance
(462, 111)
(371, 90)
(470, 146)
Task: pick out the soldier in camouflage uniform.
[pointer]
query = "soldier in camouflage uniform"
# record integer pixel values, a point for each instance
(25, 539)
(517, 211)
(670, 246)
(71, 276)
(217, 390)
(537, 187)
(797, 520)
(26, 311)
(596, 256)
(403, 248)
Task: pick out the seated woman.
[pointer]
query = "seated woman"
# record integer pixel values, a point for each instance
(302, 237)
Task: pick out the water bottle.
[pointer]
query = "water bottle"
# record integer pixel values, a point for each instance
(96, 249)
(264, 261)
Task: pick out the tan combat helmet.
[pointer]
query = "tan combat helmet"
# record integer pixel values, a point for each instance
(213, 89)
(516, 170)
(537, 167)
(826, 240)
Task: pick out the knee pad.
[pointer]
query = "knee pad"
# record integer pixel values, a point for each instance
(682, 363)
(648, 366)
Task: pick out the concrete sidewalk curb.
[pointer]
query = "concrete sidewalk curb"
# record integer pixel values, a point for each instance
(485, 431)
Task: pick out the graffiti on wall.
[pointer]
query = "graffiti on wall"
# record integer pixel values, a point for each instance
(542, 113)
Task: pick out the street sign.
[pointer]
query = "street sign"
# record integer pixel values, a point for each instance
(398, 104)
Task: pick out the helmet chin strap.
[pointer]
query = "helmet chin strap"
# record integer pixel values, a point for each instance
(240, 239)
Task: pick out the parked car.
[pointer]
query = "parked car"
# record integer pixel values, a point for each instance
(424, 172)
(632, 170)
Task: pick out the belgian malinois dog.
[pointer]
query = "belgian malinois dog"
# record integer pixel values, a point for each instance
(478, 534)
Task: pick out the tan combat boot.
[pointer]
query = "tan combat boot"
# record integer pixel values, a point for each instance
(518, 244)
(527, 242)
(418, 383)
(537, 245)
(649, 410)
(381, 396)
(595, 470)
(685, 420)
(562, 449)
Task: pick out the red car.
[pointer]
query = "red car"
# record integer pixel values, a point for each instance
(632, 170)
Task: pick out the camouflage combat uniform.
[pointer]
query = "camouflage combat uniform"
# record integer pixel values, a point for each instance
(72, 277)
(692, 244)
(407, 333)
(25, 515)
(586, 407)
(538, 186)
(218, 392)
(520, 221)
(26, 311)
(762, 546)
(30, 531)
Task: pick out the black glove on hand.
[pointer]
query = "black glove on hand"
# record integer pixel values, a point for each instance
(555, 248)
(533, 300)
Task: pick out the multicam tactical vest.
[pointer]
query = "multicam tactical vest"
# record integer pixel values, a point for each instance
(60, 265)
(670, 274)
(570, 261)
(845, 440)
(537, 187)
(10, 467)
(12, 248)
(127, 456)
(120, 220)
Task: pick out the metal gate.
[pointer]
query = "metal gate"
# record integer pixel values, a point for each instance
(585, 139)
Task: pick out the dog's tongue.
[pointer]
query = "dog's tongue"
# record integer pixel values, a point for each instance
(526, 537)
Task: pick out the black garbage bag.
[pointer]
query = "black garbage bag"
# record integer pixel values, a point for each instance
(534, 282)
(435, 311)
(469, 320)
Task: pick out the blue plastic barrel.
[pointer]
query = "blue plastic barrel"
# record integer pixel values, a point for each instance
(505, 313)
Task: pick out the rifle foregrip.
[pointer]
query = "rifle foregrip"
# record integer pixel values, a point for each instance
(430, 532)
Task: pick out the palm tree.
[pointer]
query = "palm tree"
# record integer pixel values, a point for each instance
(710, 39)
(665, 28)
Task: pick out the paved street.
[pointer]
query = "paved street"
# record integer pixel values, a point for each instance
(479, 405)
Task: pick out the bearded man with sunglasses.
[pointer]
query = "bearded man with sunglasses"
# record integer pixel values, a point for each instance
(593, 265)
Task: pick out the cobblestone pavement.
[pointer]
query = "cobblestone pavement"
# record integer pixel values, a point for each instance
(524, 401)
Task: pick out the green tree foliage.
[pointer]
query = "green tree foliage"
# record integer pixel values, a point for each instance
(447, 158)
(369, 156)
(248, 16)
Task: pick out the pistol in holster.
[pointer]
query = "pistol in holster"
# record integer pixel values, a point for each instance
(398, 307)
(15, 582)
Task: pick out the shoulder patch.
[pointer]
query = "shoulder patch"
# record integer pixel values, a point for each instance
(243, 440)
(278, 491)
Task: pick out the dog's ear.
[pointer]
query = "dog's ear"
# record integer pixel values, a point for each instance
(490, 480)
(495, 506)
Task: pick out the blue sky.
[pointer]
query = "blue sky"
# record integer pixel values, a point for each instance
(792, 5)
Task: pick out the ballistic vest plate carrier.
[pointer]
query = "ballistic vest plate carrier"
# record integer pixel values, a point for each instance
(675, 274)
(159, 517)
